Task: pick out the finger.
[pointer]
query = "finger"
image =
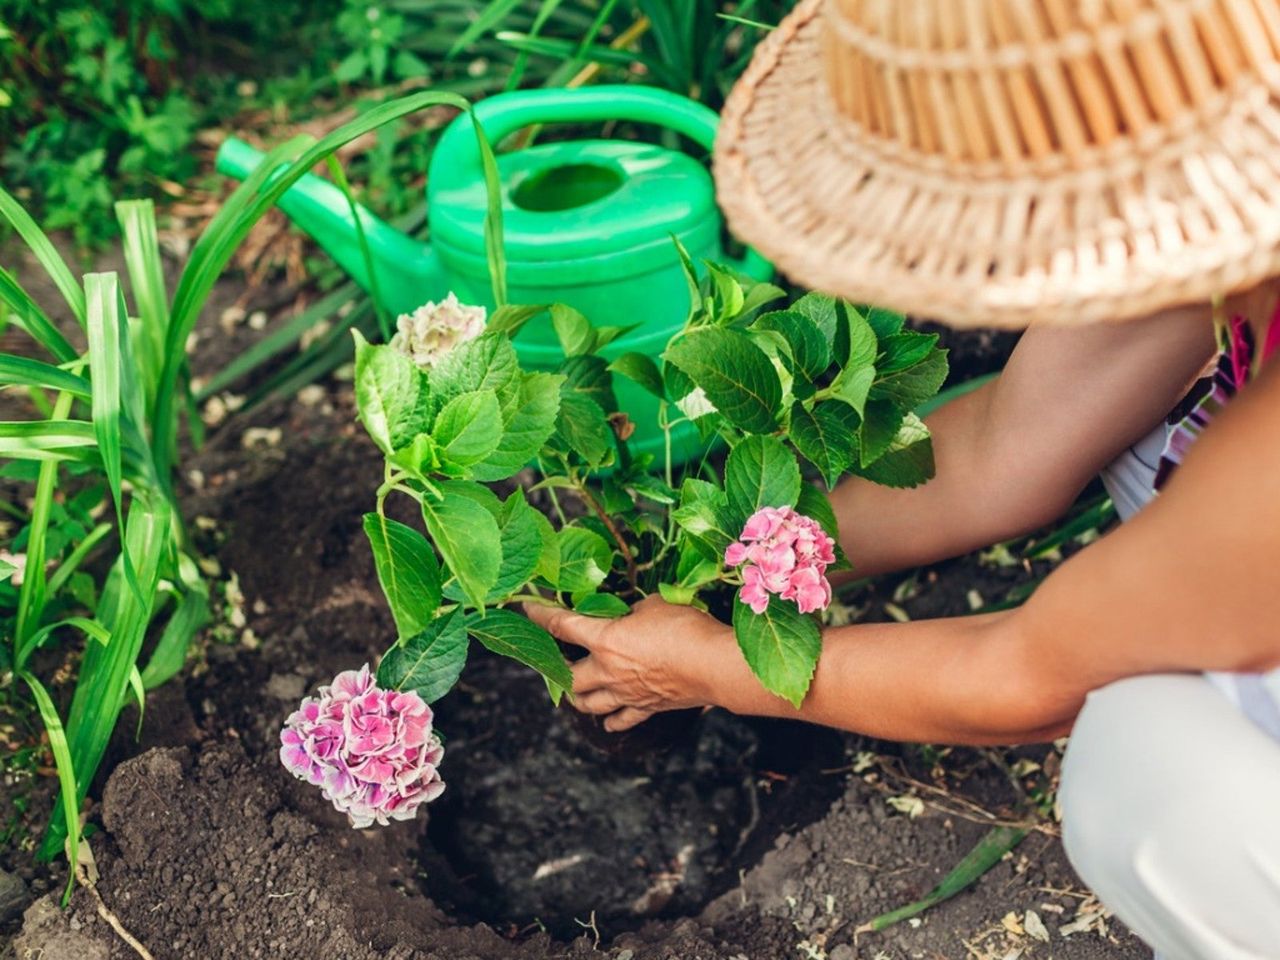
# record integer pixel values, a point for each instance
(625, 719)
(588, 675)
(599, 701)
(565, 624)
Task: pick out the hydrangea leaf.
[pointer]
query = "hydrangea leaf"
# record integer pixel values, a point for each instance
(605, 605)
(573, 330)
(640, 369)
(467, 536)
(590, 376)
(761, 472)
(824, 439)
(408, 571)
(911, 386)
(430, 661)
(486, 363)
(392, 395)
(880, 425)
(821, 309)
(585, 559)
(521, 546)
(528, 423)
(737, 376)
(901, 350)
(468, 428)
(781, 646)
(583, 428)
(908, 462)
(705, 517)
(809, 347)
(510, 635)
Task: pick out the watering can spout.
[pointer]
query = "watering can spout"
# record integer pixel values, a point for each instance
(407, 272)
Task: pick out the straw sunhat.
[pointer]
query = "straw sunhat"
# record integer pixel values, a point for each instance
(999, 162)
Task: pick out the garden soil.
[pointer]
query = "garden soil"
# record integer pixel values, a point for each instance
(736, 839)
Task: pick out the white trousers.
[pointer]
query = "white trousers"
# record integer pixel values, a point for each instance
(1171, 813)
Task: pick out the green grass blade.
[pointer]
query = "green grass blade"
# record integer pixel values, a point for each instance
(31, 595)
(104, 673)
(494, 248)
(990, 849)
(146, 275)
(545, 12)
(18, 371)
(49, 440)
(108, 330)
(171, 649)
(66, 775)
(90, 628)
(490, 17)
(45, 252)
(26, 313)
(81, 550)
(139, 697)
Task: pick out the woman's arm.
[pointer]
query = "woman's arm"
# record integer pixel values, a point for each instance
(1014, 454)
(1191, 584)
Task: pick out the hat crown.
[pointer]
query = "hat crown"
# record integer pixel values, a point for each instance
(1011, 85)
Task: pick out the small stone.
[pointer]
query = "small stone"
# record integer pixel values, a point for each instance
(258, 320)
(13, 896)
(286, 686)
(842, 952)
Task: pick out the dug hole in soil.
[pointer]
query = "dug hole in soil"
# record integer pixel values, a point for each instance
(743, 839)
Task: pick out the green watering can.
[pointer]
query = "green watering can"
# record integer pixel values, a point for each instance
(587, 223)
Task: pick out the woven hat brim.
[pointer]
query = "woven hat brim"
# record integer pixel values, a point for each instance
(1139, 228)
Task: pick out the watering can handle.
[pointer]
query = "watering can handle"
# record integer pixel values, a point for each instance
(503, 115)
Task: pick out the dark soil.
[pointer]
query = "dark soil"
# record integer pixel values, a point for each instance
(742, 840)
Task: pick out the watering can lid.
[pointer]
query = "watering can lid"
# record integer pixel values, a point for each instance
(575, 200)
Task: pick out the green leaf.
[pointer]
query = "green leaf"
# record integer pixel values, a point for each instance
(909, 460)
(815, 505)
(45, 252)
(761, 472)
(885, 323)
(548, 567)
(527, 425)
(757, 293)
(522, 545)
(469, 427)
(583, 428)
(430, 661)
(573, 330)
(781, 646)
(590, 376)
(68, 774)
(510, 635)
(678, 593)
(852, 386)
(585, 559)
(824, 438)
(24, 372)
(510, 318)
(902, 350)
(863, 345)
(171, 649)
(989, 851)
(737, 375)
(881, 422)
(408, 571)
(913, 385)
(729, 298)
(467, 536)
(486, 363)
(821, 309)
(642, 370)
(809, 348)
(392, 395)
(705, 517)
(605, 605)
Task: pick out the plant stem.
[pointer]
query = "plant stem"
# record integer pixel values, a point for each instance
(625, 550)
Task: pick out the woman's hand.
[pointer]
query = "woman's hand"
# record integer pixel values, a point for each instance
(658, 657)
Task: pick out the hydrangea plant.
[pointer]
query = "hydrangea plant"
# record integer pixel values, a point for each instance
(787, 401)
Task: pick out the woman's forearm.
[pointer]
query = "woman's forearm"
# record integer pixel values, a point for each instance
(934, 681)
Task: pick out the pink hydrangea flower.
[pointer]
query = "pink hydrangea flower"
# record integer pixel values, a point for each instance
(371, 752)
(786, 553)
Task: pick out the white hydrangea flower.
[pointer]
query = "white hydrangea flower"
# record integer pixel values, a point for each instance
(434, 329)
(696, 404)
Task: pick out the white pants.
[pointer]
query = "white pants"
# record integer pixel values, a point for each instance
(1171, 813)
